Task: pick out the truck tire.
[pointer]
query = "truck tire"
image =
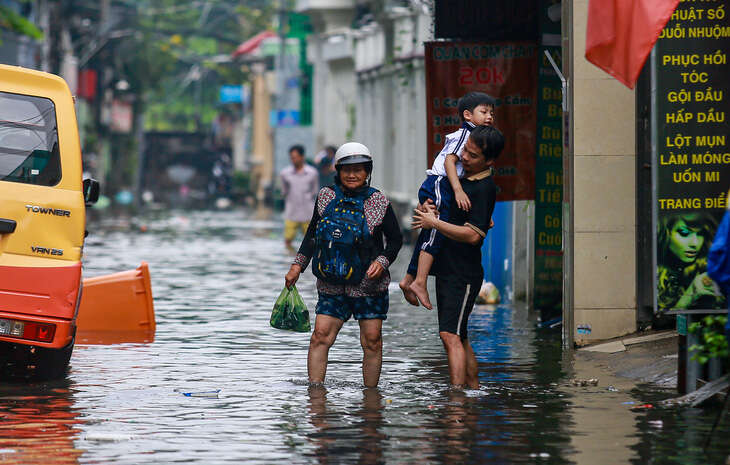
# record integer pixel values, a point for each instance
(52, 363)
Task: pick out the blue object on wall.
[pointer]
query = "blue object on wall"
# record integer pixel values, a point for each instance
(497, 251)
(231, 94)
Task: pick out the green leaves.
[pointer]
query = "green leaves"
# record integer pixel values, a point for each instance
(712, 341)
(12, 21)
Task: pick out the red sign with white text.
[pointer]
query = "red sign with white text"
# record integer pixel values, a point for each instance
(507, 72)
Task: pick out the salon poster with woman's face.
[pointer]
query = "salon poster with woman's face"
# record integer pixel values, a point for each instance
(692, 155)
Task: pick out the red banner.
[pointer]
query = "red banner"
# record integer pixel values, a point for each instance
(507, 72)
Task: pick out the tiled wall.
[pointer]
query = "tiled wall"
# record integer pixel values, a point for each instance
(604, 208)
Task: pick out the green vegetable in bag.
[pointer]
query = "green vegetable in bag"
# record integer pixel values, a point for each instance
(290, 312)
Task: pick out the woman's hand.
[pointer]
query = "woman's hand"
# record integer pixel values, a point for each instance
(375, 270)
(424, 217)
(292, 276)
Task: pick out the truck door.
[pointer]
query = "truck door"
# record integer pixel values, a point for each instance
(41, 204)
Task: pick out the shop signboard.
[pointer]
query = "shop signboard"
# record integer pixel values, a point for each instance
(691, 166)
(548, 279)
(504, 70)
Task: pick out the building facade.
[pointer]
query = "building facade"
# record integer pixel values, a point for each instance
(370, 83)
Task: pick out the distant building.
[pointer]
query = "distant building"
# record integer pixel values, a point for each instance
(369, 84)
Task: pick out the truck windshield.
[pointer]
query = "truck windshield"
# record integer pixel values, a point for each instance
(28, 140)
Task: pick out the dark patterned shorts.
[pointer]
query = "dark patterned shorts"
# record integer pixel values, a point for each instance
(362, 308)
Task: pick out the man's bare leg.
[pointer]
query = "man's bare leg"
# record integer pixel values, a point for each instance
(325, 332)
(405, 287)
(371, 339)
(418, 286)
(456, 356)
(472, 369)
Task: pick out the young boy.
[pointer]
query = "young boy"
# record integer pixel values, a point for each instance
(475, 109)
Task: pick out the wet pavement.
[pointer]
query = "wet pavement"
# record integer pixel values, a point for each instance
(215, 276)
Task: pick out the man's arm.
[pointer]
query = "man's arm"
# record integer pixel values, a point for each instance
(284, 184)
(426, 219)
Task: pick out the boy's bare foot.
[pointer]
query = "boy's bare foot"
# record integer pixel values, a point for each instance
(407, 292)
(421, 293)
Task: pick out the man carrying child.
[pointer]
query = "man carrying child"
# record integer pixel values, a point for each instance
(458, 266)
(443, 188)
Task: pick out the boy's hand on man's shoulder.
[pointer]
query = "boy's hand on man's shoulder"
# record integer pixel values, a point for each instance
(462, 200)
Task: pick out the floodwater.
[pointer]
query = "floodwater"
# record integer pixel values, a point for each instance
(215, 276)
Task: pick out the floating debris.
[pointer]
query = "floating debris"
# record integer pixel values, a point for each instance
(202, 393)
(585, 382)
(643, 407)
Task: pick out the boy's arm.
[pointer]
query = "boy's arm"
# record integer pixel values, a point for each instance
(462, 200)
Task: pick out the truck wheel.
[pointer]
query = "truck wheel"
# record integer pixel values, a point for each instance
(52, 363)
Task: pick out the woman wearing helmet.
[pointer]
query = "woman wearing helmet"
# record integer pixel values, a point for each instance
(346, 289)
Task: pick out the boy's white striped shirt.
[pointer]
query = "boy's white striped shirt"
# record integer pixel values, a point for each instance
(454, 144)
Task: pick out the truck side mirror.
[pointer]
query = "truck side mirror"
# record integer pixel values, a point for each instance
(91, 191)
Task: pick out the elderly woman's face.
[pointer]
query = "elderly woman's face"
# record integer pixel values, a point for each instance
(353, 176)
(685, 242)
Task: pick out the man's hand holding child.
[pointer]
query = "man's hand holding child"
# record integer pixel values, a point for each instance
(425, 216)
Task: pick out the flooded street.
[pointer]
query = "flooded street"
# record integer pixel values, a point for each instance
(215, 276)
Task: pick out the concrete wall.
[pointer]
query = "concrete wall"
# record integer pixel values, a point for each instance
(391, 101)
(333, 90)
(604, 287)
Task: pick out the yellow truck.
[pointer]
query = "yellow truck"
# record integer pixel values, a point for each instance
(42, 222)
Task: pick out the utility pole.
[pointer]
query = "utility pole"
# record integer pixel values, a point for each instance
(45, 24)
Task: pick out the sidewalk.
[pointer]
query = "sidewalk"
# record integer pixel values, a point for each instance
(646, 358)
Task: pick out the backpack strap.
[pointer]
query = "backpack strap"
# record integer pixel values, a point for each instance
(338, 196)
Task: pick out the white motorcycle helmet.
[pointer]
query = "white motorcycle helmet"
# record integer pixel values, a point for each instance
(351, 153)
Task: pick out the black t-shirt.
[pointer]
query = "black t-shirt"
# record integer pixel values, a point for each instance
(459, 259)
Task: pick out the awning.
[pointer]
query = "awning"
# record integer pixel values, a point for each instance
(252, 44)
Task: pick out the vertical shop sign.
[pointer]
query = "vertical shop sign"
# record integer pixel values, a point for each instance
(548, 295)
(506, 71)
(692, 158)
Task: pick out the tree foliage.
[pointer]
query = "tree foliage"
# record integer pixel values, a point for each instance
(175, 54)
(712, 340)
(12, 21)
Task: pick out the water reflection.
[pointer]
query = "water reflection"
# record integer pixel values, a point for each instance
(114, 337)
(38, 424)
(358, 439)
(215, 276)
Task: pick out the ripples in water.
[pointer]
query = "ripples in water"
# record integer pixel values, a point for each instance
(215, 276)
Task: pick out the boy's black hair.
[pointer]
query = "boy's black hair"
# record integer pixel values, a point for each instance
(471, 100)
(489, 140)
(298, 147)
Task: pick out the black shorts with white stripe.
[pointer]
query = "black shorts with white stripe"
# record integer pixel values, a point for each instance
(454, 301)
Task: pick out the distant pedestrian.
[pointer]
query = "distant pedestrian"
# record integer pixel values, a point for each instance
(325, 163)
(353, 239)
(458, 266)
(299, 186)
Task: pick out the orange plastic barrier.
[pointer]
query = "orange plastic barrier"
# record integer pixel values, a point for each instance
(117, 308)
